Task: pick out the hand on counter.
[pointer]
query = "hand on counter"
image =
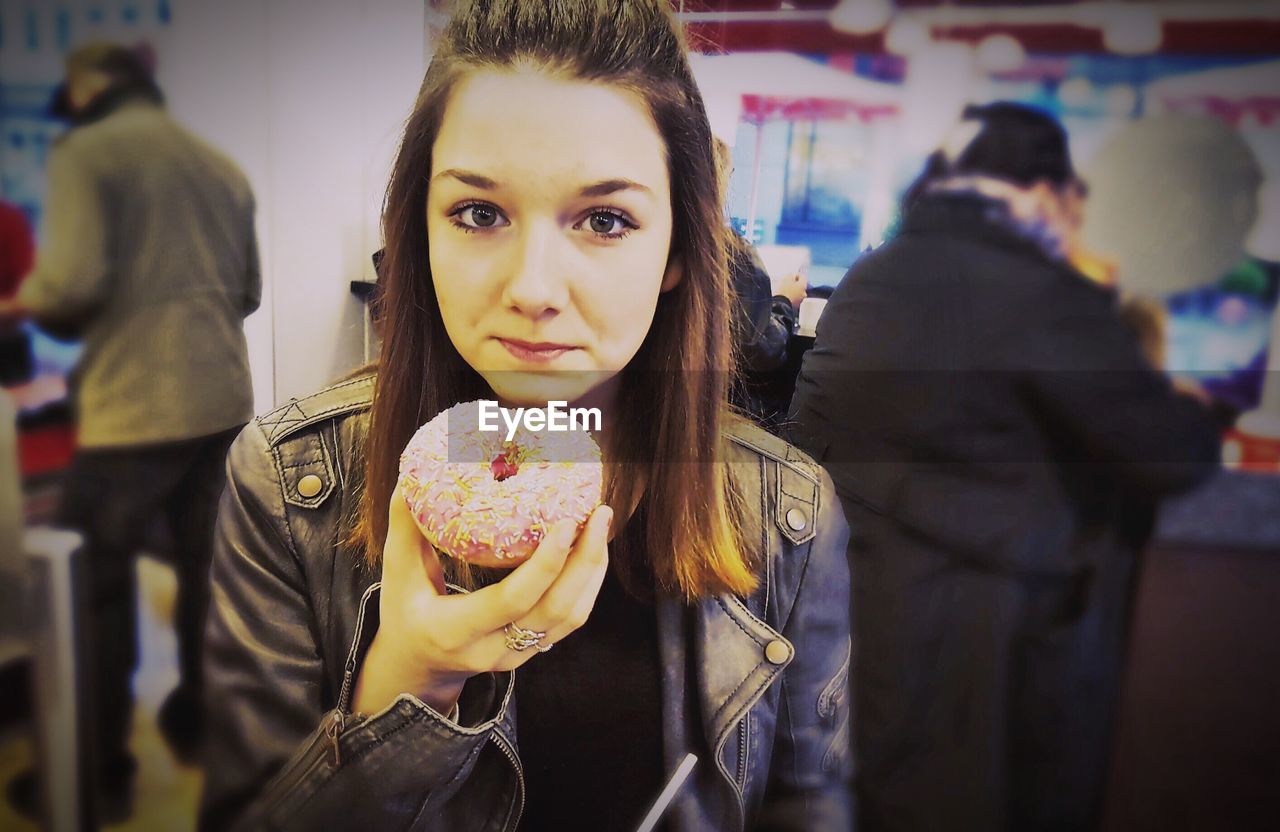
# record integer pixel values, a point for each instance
(793, 287)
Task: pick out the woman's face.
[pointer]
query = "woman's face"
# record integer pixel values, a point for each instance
(549, 226)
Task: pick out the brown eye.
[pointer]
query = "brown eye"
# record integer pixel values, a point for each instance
(483, 216)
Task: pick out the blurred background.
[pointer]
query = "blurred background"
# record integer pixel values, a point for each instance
(830, 108)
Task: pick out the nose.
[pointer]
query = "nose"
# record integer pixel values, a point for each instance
(535, 286)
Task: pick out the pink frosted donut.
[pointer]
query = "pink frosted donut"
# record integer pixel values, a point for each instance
(482, 499)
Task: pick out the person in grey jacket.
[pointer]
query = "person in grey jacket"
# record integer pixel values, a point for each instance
(149, 257)
(558, 163)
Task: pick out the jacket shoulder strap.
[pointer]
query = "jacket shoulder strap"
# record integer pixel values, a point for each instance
(345, 397)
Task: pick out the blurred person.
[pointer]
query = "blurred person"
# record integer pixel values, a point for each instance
(772, 386)
(553, 231)
(765, 319)
(149, 254)
(999, 442)
(767, 308)
(764, 333)
(17, 252)
(17, 248)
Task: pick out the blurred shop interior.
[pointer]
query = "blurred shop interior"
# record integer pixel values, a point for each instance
(831, 108)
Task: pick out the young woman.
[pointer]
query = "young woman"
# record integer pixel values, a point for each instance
(553, 233)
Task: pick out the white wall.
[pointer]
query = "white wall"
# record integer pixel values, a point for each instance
(309, 97)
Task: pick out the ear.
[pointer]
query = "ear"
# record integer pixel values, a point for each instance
(1054, 201)
(1047, 194)
(674, 274)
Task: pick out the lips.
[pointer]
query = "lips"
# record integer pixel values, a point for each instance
(535, 352)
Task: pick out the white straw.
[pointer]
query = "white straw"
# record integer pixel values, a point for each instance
(668, 793)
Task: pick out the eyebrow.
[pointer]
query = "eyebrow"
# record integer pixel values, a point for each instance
(596, 189)
(612, 186)
(475, 180)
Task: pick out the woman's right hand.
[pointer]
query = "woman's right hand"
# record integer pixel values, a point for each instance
(430, 642)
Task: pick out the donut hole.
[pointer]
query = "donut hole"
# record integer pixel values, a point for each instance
(506, 464)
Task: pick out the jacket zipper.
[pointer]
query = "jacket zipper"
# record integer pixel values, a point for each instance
(739, 782)
(349, 669)
(738, 791)
(502, 743)
(744, 745)
(333, 731)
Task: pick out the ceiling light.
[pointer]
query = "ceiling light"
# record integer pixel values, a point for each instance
(1132, 31)
(906, 36)
(1000, 53)
(861, 17)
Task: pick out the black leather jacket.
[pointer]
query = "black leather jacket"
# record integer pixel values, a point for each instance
(294, 610)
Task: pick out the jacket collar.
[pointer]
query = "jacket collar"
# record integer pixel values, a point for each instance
(117, 98)
(970, 214)
(973, 216)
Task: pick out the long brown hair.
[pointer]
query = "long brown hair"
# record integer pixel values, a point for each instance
(665, 461)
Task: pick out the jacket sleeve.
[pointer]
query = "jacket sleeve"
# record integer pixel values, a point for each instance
(282, 753)
(810, 775)
(1089, 379)
(71, 276)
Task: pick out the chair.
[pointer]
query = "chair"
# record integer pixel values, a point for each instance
(42, 582)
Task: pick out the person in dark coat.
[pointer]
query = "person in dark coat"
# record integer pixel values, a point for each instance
(999, 444)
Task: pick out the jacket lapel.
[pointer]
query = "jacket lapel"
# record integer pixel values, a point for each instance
(714, 670)
(729, 644)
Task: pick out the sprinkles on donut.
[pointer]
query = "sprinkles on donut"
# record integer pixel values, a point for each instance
(487, 500)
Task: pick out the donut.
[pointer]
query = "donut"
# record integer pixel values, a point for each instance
(480, 498)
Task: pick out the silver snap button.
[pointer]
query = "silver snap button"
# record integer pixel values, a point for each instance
(310, 485)
(777, 651)
(796, 519)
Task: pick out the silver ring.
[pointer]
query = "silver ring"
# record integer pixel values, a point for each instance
(521, 639)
